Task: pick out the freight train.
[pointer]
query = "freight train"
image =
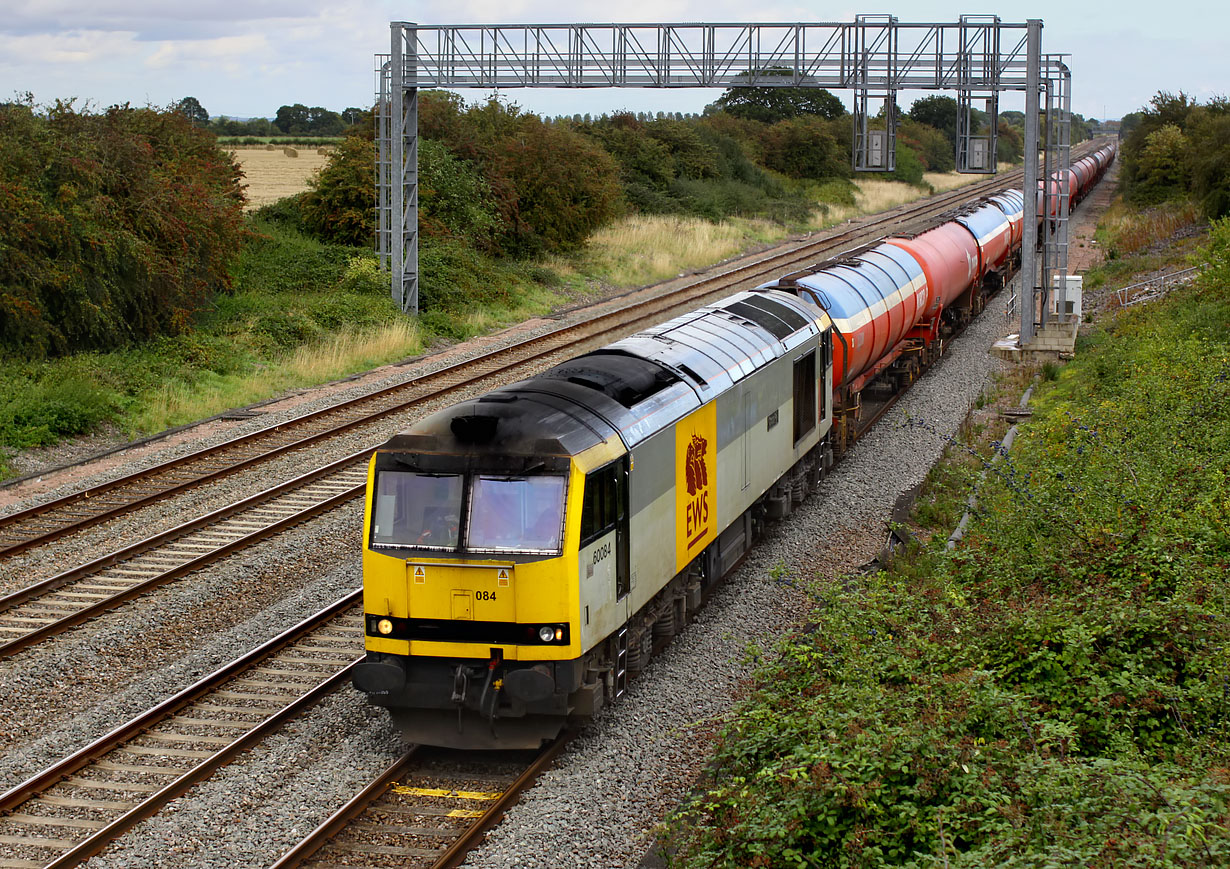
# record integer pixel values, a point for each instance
(526, 552)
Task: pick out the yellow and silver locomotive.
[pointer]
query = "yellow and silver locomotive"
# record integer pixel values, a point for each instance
(524, 551)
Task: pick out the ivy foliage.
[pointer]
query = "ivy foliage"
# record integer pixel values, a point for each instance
(1054, 692)
(114, 226)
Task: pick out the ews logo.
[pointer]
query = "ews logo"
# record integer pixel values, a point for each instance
(695, 483)
(696, 478)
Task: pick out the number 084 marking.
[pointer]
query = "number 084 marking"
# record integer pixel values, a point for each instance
(484, 595)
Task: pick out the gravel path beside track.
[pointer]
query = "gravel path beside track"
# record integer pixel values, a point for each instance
(597, 807)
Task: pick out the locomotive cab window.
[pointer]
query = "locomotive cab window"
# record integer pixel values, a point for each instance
(516, 514)
(412, 509)
(604, 498)
(804, 396)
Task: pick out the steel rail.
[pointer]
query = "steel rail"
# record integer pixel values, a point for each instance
(150, 806)
(373, 795)
(37, 598)
(458, 850)
(67, 766)
(339, 820)
(328, 676)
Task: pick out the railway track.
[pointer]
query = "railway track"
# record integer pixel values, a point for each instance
(54, 605)
(132, 772)
(431, 806)
(428, 809)
(51, 606)
(74, 809)
(53, 519)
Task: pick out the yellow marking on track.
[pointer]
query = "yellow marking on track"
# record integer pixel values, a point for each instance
(465, 813)
(440, 792)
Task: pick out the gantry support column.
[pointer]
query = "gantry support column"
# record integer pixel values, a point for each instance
(1029, 242)
(403, 167)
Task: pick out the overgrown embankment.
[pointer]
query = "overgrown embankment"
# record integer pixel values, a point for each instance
(1054, 692)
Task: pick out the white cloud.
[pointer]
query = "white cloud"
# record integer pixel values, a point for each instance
(76, 48)
(231, 54)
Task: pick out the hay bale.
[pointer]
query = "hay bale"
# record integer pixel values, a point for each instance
(322, 151)
(290, 152)
(270, 147)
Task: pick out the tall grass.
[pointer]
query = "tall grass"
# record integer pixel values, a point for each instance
(1127, 231)
(334, 357)
(644, 249)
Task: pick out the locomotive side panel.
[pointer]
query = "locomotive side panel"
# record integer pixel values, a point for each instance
(651, 484)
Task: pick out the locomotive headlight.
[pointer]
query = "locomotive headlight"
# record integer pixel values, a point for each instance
(384, 626)
(547, 633)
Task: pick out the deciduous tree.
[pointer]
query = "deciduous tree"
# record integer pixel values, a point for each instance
(772, 104)
(192, 109)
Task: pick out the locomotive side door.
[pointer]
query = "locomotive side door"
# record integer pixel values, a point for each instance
(623, 583)
(604, 553)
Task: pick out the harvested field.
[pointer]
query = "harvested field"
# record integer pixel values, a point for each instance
(271, 175)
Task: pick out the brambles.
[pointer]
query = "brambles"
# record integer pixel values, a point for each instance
(116, 227)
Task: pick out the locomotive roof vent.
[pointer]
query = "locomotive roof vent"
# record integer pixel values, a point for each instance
(627, 379)
(474, 428)
(775, 317)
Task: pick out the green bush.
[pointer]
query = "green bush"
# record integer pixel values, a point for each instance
(37, 412)
(339, 207)
(934, 150)
(804, 148)
(1176, 147)
(550, 186)
(114, 227)
(909, 168)
(454, 200)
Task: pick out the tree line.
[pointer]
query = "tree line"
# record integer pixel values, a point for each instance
(121, 225)
(293, 120)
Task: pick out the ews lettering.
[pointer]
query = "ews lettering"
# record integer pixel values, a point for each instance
(698, 513)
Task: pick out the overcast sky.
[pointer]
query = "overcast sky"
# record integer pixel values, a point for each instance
(245, 58)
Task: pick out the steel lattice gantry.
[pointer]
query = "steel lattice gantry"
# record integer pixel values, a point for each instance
(876, 56)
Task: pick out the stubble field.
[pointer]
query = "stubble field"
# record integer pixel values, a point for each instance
(271, 175)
